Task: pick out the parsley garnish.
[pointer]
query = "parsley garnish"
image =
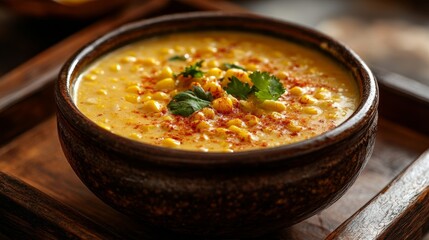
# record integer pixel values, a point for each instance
(227, 66)
(187, 102)
(193, 70)
(179, 58)
(265, 87)
(238, 88)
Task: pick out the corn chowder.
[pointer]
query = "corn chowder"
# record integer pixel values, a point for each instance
(216, 91)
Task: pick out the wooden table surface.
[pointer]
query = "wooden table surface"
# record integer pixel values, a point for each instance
(41, 197)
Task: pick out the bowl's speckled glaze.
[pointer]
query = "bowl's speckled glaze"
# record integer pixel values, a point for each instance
(245, 193)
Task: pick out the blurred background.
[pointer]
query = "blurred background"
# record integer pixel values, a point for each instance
(390, 34)
(393, 35)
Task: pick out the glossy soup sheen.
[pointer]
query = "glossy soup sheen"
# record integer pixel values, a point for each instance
(128, 91)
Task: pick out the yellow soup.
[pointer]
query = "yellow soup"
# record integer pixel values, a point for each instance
(216, 91)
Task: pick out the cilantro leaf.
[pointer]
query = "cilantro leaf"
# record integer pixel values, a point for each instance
(179, 58)
(227, 66)
(193, 70)
(237, 88)
(187, 102)
(199, 92)
(266, 86)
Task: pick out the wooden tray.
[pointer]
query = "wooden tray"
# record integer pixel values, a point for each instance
(41, 197)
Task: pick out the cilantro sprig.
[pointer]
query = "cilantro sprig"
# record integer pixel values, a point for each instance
(227, 66)
(265, 87)
(238, 88)
(193, 70)
(187, 102)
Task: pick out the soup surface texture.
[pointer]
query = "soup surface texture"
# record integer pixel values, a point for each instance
(216, 91)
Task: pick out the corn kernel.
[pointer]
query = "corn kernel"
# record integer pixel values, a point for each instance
(167, 118)
(128, 59)
(102, 91)
(146, 97)
(283, 75)
(101, 106)
(133, 89)
(251, 67)
(239, 74)
(166, 72)
(332, 116)
(146, 128)
(251, 120)
(208, 113)
(307, 99)
(203, 125)
(221, 132)
(212, 64)
(135, 136)
(276, 115)
(322, 94)
(214, 88)
(167, 51)
(274, 106)
(132, 98)
(236, 122)
(148, 61)
(297, 91)
(209, 50)
(165, 84)
(311, 110)
(215, 72)
(223, 105)
(241, 133)
(173, 93)
(225, 144)
(293, 127)
(170, 142)
(198, 116)
(91, 77)
(160, 96)
(325, 103)
(97, 71)
(152, 106)
(115, 67)
(136, 68)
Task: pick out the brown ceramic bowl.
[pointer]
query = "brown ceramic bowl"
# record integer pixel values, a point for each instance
(245, 193)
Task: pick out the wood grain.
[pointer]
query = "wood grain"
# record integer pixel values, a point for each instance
(407, 101)
(37, 216)
(399, 211)
(36, 158)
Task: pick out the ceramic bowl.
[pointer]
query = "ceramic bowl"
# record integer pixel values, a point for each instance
(245, 193)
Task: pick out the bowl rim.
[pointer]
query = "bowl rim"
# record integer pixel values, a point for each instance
(144, 152)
